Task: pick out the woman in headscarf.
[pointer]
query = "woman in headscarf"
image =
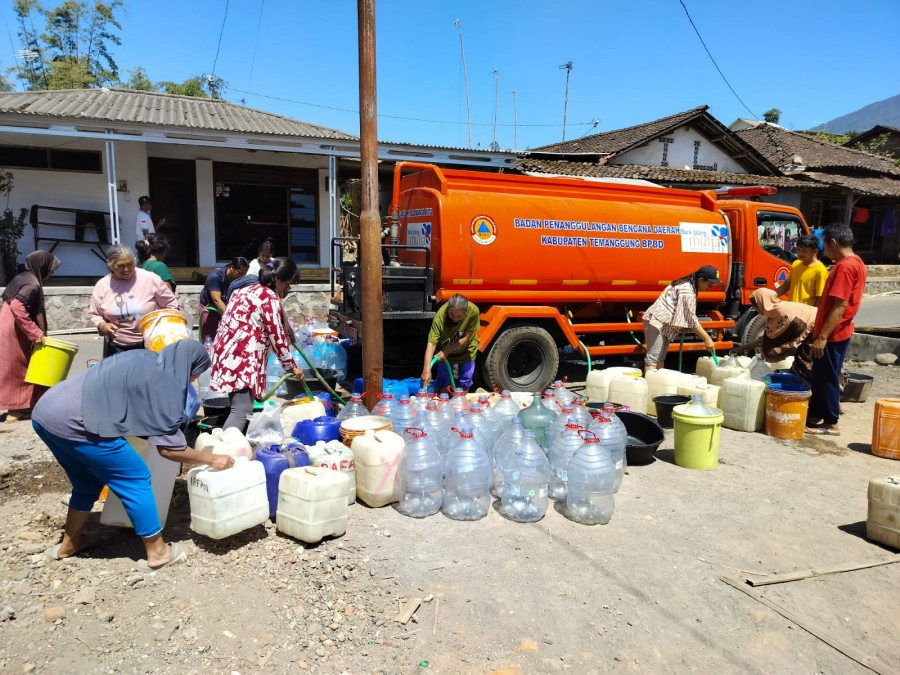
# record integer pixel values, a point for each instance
(84, 420)
(788, 331)
(253, 323)
(23, 323)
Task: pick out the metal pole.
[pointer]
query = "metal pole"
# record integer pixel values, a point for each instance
(515, 121)
(462, 52)
(111, 193)
(334, 211)
(369, 222)
(568, 68)
(494, 146)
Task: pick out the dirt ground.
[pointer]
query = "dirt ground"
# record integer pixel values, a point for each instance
(641, 594)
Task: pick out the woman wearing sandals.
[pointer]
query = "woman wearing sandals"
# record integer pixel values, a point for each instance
(84, 420)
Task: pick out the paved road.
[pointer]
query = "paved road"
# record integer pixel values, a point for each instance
(881, 312)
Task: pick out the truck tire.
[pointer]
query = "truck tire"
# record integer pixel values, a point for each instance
(753, 328)
(523, 358)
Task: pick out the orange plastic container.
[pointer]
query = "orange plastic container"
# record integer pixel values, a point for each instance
(886, 428)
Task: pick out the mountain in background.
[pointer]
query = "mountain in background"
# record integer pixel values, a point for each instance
(886, 112)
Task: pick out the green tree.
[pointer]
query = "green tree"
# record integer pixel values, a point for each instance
(199, 86)
(12, 227)
(74, 51)
(772, 115)
(138, 79)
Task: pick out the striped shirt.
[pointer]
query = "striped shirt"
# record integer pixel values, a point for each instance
(674, 311)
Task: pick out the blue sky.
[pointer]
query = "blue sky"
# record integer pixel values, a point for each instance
(634, 60)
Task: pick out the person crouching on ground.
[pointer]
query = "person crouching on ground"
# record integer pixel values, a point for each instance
(84, 420)
(675, 311)
(454, 334)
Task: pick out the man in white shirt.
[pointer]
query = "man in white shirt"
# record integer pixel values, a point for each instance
(144, 223)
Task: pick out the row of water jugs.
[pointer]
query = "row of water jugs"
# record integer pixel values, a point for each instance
(458, 454)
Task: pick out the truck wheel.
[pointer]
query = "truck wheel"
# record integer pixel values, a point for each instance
(753, 328)
(522, 359)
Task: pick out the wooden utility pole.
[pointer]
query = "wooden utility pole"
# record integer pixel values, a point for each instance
(369, 221)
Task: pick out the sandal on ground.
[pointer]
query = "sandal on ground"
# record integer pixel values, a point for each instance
(822, 431)
(52, 554)
(178, 553)
(13, 416)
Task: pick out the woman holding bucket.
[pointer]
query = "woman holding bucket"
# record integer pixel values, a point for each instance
(122, 298)
(84, 420)
(675, 311)
(23, 323)
(253, 323)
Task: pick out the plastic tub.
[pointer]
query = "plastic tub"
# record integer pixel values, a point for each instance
(664, 406)
(50, 362)
(856, 387)
(164, 327)
(644, 436)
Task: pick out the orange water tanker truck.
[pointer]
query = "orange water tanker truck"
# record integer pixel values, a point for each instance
(555, 261)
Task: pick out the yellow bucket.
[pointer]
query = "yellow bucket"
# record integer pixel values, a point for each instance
(50, 362)
(697, 440)
(164, 327)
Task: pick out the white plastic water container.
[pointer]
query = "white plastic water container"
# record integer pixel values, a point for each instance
(722, 373)
(705, 365)
(743, 404)
(697, 386)
(630, 391)
(312, 503)
(377, 455)
(338, 457)
(162, 480)
(224, 442)
(597, 389)
(228, 501)
(661, 382)
(883, 520)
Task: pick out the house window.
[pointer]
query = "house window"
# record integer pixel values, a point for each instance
(14, 157)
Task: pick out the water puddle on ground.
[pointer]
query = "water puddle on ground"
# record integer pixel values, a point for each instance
(821, 445)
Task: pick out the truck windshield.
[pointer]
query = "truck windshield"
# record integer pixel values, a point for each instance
(778, 234)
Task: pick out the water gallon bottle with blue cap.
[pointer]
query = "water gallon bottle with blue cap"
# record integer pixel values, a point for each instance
(467, 480)
(419, 476)
(590, 478)
(526, 475)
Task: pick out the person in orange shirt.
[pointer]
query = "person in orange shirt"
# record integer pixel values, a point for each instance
(806, 281)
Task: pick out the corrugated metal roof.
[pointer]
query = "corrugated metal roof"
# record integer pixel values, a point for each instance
(123, 106)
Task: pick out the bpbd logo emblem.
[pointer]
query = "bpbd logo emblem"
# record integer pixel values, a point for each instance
(484, 230)
(720, 232)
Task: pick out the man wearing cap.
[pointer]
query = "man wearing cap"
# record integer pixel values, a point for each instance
(675, 311)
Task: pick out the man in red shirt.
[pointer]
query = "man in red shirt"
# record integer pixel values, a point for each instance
(834, 328)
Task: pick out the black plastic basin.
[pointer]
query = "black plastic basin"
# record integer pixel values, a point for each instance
(664, 407)
(644, 436)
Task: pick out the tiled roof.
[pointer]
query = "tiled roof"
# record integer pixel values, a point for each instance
(656, 174)
(621, 139)
(780, 146)
(876, 186)
(123, 106)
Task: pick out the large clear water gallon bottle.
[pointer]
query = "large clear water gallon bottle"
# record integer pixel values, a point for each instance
(525, 477)
(385, 406)
(580, 411)
(561, 450)
(403, 415)
(419, 476)
(479, 420)
(506, 408)
(423, 423)
(537, 418)
(590, 478)
(563, 395)
(421, 399)
(620, 433)
(566, 416)
(274, 371)
(459, 401)
(549, 401)
(338, 360)
(354, 408)
(467, 478)
(487, 410)
(505, 445)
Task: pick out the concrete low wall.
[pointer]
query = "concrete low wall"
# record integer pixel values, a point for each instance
(67, 306)
(865, 347)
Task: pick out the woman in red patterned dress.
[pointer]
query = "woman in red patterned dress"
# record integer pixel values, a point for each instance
(253, 322)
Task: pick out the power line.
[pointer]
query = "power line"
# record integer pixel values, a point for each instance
(393, 117)
(219, 45)
(262, 4)
(724, 79)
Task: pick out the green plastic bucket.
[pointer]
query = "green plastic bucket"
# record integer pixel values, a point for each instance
(697, 440)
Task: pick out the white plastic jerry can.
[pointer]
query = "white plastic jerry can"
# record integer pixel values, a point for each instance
(224, 442)
(312, 503)
(377, 455)
(335, 455)
(743, 404)
(162, 480)
(228, 501)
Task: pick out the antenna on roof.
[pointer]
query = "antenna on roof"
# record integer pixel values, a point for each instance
(462, 52)
(515, 121)
(494, 145)
(568, 65)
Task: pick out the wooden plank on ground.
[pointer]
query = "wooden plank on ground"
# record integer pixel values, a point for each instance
(816, 631)
(796, 576)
